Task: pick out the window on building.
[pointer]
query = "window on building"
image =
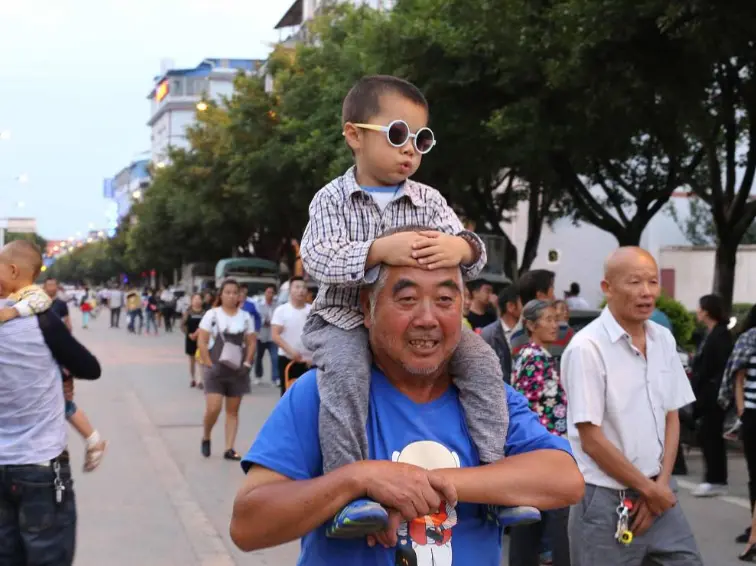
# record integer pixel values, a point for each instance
(177, 87)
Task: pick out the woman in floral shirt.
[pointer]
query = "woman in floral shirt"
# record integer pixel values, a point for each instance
(536, 376)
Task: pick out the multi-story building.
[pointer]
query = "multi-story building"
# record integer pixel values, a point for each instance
(17, 226)
(179, 93)
(301, 11)
(125, 187)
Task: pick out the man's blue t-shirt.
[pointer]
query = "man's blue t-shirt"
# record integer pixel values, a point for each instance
(430, 435)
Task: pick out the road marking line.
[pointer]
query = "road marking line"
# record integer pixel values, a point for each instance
(731, 499)
(206, 542)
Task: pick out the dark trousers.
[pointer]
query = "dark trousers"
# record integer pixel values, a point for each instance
(749, 447)
(115, 317)
(168, 314)
(713, 444)
(525, 541)
(295, 370)
(272, 348)
(133, 315)
(35, 530)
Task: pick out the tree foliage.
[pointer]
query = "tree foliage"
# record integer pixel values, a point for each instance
(95, 263)
(593, 109)
(699, 228)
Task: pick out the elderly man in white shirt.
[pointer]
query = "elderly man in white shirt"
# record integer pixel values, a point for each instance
(625, 384)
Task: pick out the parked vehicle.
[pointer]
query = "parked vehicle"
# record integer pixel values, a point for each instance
(253, 272)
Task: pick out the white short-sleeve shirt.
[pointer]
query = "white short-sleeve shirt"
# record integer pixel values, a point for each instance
(292, 320)
(610, 384)
(216, 320)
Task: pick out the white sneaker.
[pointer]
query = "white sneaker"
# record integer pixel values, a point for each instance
(709, 490)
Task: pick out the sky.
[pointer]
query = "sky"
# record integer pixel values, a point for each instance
(74, 80)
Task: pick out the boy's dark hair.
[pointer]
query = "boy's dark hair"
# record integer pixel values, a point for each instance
(534, 282)
(363, 101)
(574, 289)
(510, 294)
(296, 278)
(476, 284)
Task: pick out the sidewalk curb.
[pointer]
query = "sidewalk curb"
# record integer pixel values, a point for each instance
(206, 542)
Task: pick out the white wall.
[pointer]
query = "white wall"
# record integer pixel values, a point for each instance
(694, 273)
(583, 248)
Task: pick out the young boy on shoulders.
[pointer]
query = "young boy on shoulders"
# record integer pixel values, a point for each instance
(385, 125)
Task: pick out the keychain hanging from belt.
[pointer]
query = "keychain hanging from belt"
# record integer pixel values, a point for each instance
(624, 535)
(58, 484)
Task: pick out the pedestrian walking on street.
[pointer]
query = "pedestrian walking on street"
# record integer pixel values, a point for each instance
(498, 333)
(708, 368)
(209, 300)
(226, 342)
(167, 308)
(190, 327)
(739, 390)
(536, 376)
(86, 308)
(37, 502)
(151, 311)
(287, 330)
(134, 311)
(535, 284)
(115, 303)
(625, 384)
(265, 337)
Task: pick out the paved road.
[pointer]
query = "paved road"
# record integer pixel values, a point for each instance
(156, 502)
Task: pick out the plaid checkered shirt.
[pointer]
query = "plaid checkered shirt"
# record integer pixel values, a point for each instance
(344, 222)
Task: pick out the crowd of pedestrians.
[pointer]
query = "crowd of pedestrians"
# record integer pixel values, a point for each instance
(421, 416)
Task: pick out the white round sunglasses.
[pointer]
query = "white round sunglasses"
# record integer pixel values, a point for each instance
(398, 132)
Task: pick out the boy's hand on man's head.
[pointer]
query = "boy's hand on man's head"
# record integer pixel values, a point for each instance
(396, 249)
(436, 250)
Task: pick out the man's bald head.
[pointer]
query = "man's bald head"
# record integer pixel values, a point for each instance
(631, 284)
(24, 256)
(625, 258)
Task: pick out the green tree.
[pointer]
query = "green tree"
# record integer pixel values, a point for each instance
(35, 238)
(438, 47)
(94, 263)
(698, 225)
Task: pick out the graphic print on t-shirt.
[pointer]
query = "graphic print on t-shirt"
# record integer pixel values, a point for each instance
(427, 541)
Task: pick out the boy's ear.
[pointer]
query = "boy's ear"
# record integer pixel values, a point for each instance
(353, 136)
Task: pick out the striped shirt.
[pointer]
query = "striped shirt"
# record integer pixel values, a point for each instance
(749, 387)
(344, 222)
(743, 356)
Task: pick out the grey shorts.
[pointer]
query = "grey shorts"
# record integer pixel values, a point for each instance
(227, 383)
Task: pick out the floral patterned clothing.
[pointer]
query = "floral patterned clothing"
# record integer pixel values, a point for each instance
(536, 376)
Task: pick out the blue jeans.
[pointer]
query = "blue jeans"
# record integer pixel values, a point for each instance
(35, 530)
(263, 347)
(151, 321)
(133, 315)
